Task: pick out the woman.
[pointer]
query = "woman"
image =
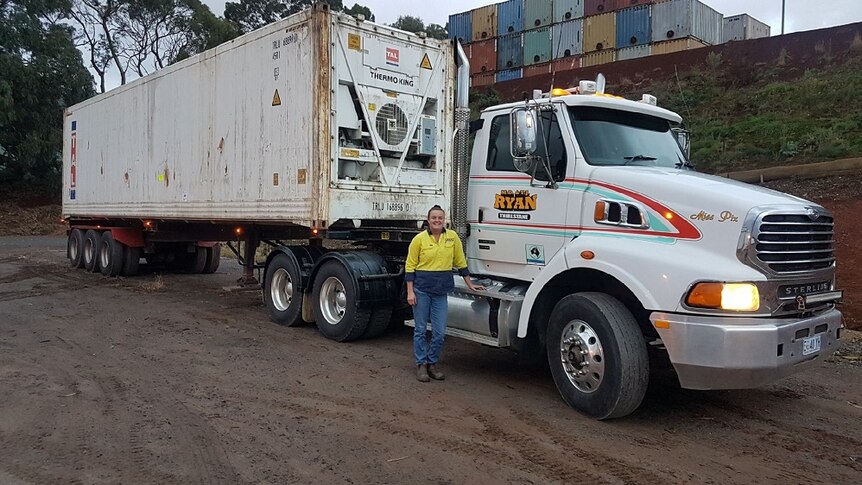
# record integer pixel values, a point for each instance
(428, 272)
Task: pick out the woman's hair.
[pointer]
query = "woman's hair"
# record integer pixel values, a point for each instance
(435, 208)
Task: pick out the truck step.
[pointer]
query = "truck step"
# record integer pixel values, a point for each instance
(464, 334)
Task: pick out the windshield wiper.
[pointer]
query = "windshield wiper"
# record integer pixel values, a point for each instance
(683, 164)
(638, 158)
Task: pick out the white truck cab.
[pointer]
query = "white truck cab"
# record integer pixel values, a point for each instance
(598, 241)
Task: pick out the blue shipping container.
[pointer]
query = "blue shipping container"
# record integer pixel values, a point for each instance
(510, 52)
(509, 75)
(633, 26)
(510, 17)
(461, 27)
(567, 38)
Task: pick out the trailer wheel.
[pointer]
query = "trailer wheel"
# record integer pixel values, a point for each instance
(110, 255)
(213, 259)
(76, 248)
(597, 354)
(196, 261)
(91, 251)
(336, 304)
(131, 261)
(379, 322)
(282, 293)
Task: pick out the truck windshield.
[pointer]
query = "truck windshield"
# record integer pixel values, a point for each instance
(611, 137)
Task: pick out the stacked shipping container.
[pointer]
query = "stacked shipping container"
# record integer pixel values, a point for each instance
(519, 38)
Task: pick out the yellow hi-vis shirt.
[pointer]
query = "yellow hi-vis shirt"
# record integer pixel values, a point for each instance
(430, 263)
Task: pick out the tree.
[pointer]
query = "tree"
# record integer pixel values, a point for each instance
(145, 35)
(41, 73)
(415, 24)
(249, 15)
(357, 9)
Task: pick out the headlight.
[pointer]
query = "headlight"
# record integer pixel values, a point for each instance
(741, 297)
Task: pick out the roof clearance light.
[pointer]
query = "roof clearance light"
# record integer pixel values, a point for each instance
(559, 92)
(649, 99)
(587, 87)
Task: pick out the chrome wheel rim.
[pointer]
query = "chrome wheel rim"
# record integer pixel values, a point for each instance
(89, 251)
(281, 289)
(582, 356)
(104, 256)
(73, 248)
(333, 300)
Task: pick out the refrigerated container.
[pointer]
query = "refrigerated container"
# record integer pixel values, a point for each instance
(677, 45)
(537, 13)
(744, 27)
(600, 32)
(483, 56)
(633, 26)
(508, 75)
(635, 52)
(510, 17)
(598, 7)
(567, 39)
(678, 19)
(461, 27)
(510, 51)
(537, 46)
(565, 10)
(484, 23)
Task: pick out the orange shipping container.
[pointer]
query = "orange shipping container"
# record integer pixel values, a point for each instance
(537, 69)
(483, 56)
(600, 32)
(566, 64)
(596, 58)
(676, 46)
(484, 79)
(484, 23)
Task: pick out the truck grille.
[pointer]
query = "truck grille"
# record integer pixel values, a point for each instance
(795, 243)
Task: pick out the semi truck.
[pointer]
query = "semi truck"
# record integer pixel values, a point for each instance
(326, 138)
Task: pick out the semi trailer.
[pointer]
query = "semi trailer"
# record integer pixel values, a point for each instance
(598, 245)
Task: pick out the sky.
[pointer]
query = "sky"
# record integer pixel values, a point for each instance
(800, 14)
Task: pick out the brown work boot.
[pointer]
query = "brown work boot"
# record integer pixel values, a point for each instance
(422, 373)
(435, 373)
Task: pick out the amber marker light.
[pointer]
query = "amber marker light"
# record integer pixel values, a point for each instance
(668, 215)
(314, 231)
(588, 255)
(599, 212)
(662, 324)
(238, 231)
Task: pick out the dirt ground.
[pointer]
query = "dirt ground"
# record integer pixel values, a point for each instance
(175, 380)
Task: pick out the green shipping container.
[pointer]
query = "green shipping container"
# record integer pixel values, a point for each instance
(537, 13)
(537, 46)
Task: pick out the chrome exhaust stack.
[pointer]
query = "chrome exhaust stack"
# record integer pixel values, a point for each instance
(461, 157)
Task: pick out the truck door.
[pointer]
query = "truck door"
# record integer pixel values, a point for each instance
(520, 220)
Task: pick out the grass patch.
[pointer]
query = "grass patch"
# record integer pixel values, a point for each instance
(744, 117)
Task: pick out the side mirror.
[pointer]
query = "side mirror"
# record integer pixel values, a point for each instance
(523, 123)
(683, 137)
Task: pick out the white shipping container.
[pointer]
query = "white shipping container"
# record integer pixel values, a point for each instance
(744, 27)
(310, 120)
(677, 19)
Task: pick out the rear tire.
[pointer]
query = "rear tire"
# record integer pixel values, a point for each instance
(336, 304)
(598, 355)
(379, 322)
(282, 293)
(91, 251)
(213, 259)
(197, 261)
(111, 255)
(75, 248)
(131, 261)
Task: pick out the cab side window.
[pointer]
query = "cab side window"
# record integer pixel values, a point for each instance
(499, 150)
(500, 154)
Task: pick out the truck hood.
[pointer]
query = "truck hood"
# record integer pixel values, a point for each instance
(692, 205)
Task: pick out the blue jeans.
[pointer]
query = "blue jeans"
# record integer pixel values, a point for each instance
(428, 307)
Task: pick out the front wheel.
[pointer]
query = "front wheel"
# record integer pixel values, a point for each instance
(597, 355)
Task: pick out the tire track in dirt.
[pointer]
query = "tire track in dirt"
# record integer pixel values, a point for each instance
(627, 471)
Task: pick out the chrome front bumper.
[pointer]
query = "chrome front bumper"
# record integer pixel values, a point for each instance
(738, 353)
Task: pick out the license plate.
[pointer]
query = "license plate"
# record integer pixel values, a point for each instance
(811, 345)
